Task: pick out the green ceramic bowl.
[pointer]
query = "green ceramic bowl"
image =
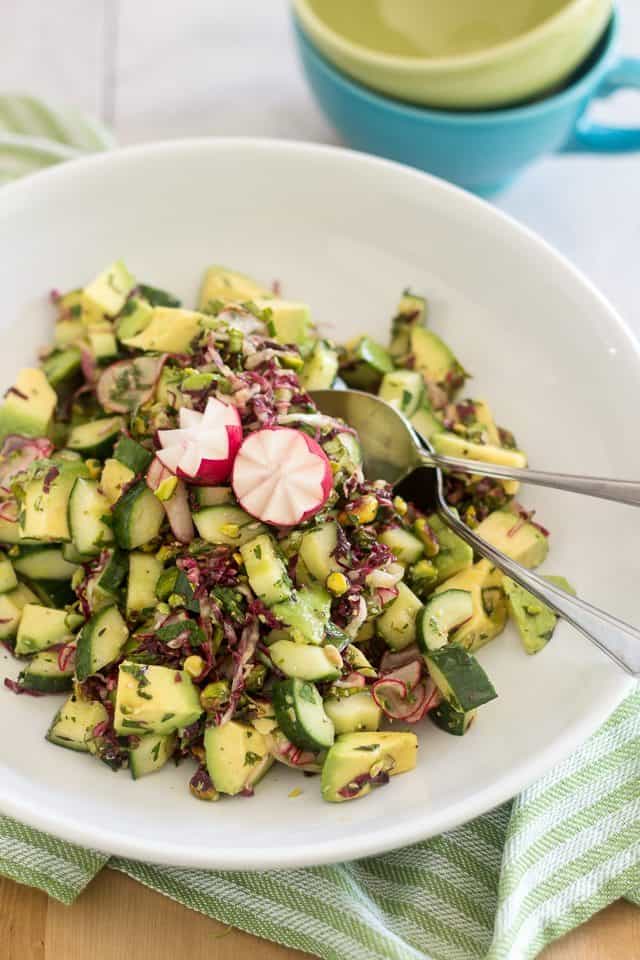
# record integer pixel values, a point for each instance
(460, 54)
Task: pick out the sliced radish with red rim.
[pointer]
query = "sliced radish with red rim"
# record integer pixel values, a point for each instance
(176, 506)
(126, 384)
(203, 448)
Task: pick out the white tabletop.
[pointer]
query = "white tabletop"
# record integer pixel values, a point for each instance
(156, 69)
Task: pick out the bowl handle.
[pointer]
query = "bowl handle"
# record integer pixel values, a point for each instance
(601, 138)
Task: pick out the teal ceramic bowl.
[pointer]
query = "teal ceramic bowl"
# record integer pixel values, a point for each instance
(481, 151)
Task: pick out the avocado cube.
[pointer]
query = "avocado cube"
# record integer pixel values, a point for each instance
(220, 284)
(534, 620)
(29, 405)
(484, 582)
(152, 699)
(515, 536)
(170, 329)
(237, 756)
(40, 628)
(358, 761)
(110, 289)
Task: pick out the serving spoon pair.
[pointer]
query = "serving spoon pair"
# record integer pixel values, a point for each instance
(394, 452)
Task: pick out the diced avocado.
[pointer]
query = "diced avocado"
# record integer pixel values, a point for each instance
(102, 340)
(358, 761)
(405, 546)
(317, 550)
(453, 554)
(29, 405)
(228, 286)
(483, 419)
(68, 332)
(8, 578)
(425, 421)
(135, 318)
(484, 583)
(44, 507)
(320, 368)
(453, 445)
(237, 756)
(515, 536)
(397, 625)
(40, 628)
(353, 713)
(411, 312)
(287, 322)
(459, 677)
(403, 389)
(152, 699)
(76, 307)
(74, 723)
(61, 366)
(534, 620)
(11, 607)
(170, 329)
(115, 476)
(266, 570)
(150, 753)
(110, 289)
(365, 364)
(456, 722)
(435, 361)
(52, 593)
(305, 614)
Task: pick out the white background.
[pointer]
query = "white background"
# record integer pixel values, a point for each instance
(156, 69)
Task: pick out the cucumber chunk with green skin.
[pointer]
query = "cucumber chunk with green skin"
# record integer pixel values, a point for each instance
(459, 677)
(406, 548)
(154, 699)
(137, 517)
(441, 614)
(157, 297)
(100, 642)
(43, 674)
(115, 477)
(237, 756)
(301, 715)
(365, 364)
(226, 524)
(358, 761)
(425, 421)
(96, 438)
(74, 723)
(132, 454)
(135, 317)
(402, 389)
(354, 713)
(317, 550)
(305, 614)
(44, 563)
(305, 661)
(86, 510)
(411, 312)
(114, 572)
(72, 555)
(8, 579)
(62, 366)
(435, 360)
(151, 753)
(454, 554)
(44, 506)
(102, 341)
(12, 604)
(213, 496)
(397, 625)
(144, 572)
(534, 620)
(40, 627)
(266, 570)
(51, 593)
(321, 367)
(456, 722)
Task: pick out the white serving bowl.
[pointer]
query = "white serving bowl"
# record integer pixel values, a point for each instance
(347, 233)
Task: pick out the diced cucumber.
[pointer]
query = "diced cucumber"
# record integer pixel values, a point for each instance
(237, 756)
(356, 660)
(8, 579)
(135, 317)
(144, 571)
(100, 642)
(72, 555)
(61, 366)
(456, 722)
(441, 614)
(137, 517)
(305, 661)
(114, 572)
(96, 438)
(357, 761)
(44, 563)
(411, 312)
(132, 454)
(151, 753)
(425, 421)
(12, 604)
(266, 569)
(40, 627)
(454, 555)
(213, 496)
(365, 364)
(51, 593)
(43, 674)
(435, 361)
(301, 715)
(459, 677)
(397, 625)
(9, 531)
(358, 711)
(321, 367)
(406, 548)
(484, 582)
(403, 389)
(226, 524)
(305, 614)
(44, 507)
(86, 509)
(153, 699)
(115, 476)
(158, 297)
(74, 723)
(317, 550)
(102, 340)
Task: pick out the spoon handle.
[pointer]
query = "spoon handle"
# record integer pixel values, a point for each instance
(619, 640)
(622, 491)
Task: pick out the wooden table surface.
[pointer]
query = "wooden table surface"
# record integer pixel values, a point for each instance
(118, 919)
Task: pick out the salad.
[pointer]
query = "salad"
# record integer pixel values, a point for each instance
(192, 555)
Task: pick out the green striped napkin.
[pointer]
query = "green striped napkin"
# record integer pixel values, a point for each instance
(499, 888)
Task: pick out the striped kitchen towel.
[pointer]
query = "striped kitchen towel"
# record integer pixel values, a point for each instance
(498, 888)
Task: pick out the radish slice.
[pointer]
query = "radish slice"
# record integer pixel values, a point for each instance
(18, 453)
(126, 384)
(397, 702)
(392, 659)
(202, 449)
(426, 701)
(281, 476)
(409, 674)
(177, 506)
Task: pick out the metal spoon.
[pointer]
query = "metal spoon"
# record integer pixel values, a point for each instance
(392, 452)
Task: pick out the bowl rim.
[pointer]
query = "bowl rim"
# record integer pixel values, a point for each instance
(495, 116)
(397, 833)
(517, 45)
